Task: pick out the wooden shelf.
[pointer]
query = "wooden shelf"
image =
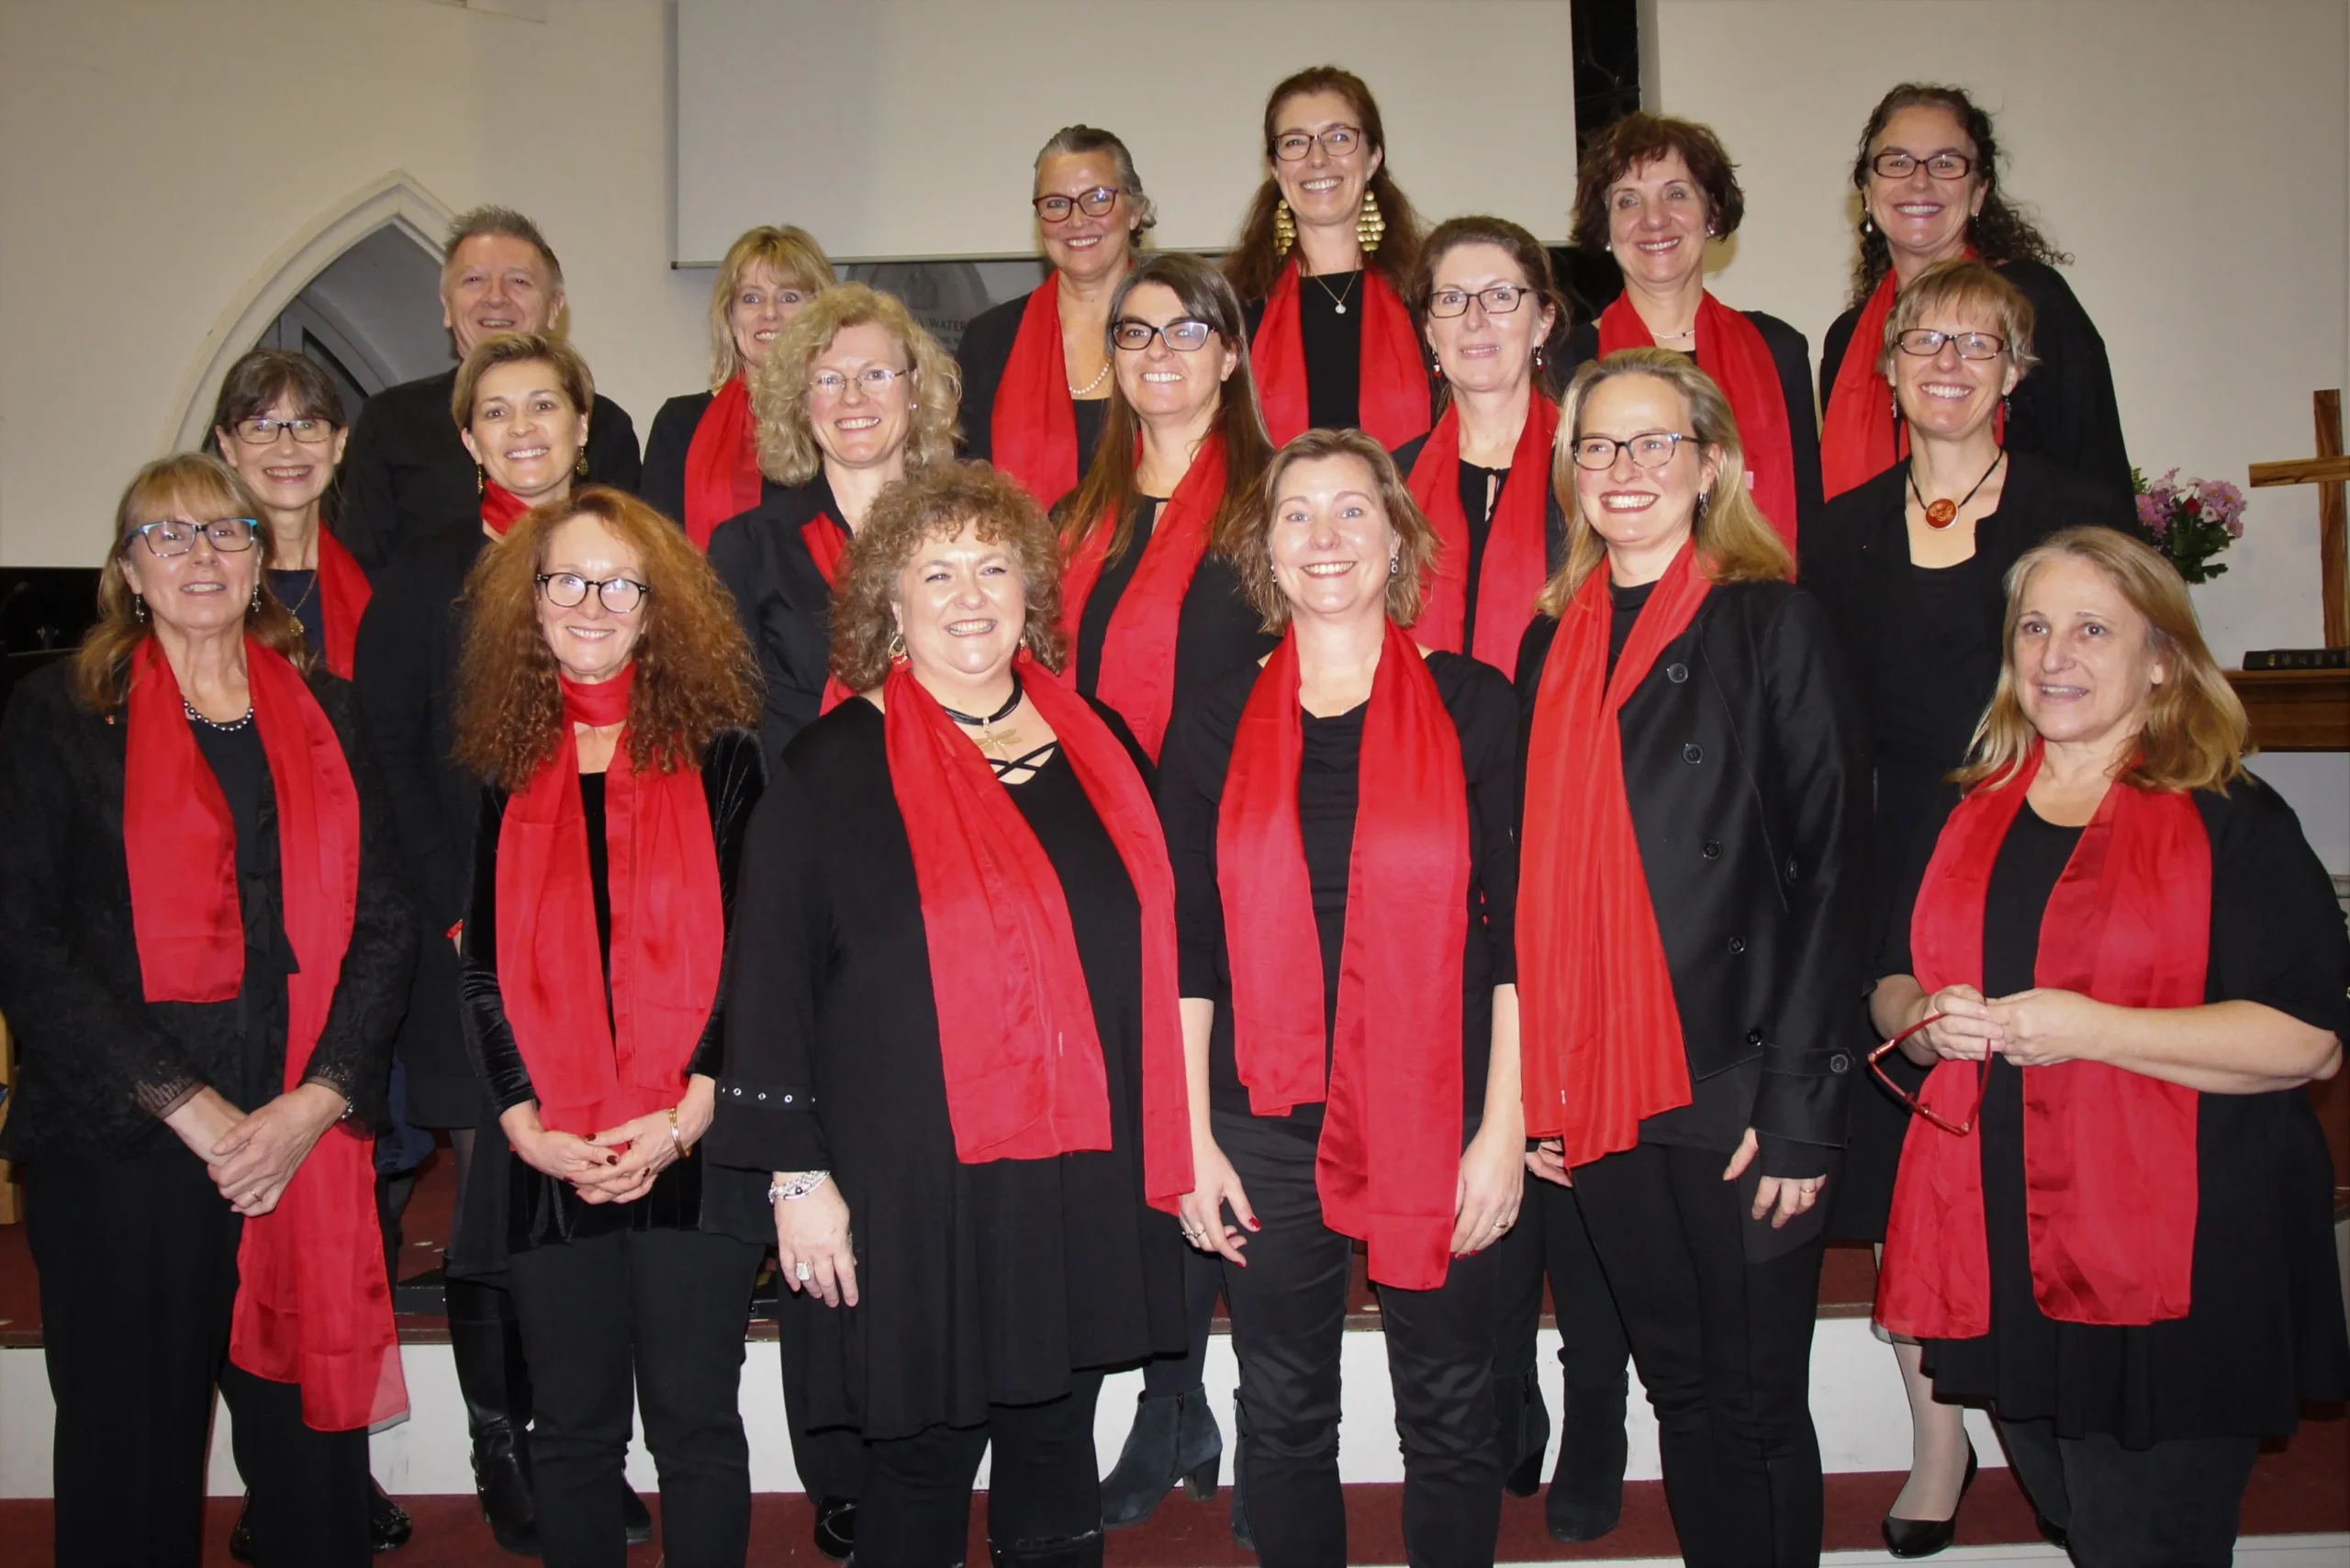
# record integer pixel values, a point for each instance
(2296, 709)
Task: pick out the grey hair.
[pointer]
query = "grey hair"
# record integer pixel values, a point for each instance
(1071, 141)
(506, 223)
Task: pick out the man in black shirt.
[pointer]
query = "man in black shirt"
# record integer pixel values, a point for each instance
(407, 473)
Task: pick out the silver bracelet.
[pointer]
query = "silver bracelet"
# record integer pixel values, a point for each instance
(798, 1187)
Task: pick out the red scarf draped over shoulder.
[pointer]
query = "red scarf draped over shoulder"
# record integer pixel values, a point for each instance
(1033, 423)
(2109, 1156)
(1393, 406)
(1388, 1164)
(1859, 437)
(1731, 349)
(827, 542)
(594, 1069)
(313, 1306)
(1138, 673)
(1518, 544)
(500, 507)
(1016, 1033)
(723, 478)
(343, 593)
(1601, 1032)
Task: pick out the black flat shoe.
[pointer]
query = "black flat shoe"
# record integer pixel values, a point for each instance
(837, 1526)
(389, 1526)
(1924, 1538)
(2051, 1532)
(240, 1539)
(637, 1520)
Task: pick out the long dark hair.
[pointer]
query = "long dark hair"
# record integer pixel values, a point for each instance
(2000, 232)
(1253, 264)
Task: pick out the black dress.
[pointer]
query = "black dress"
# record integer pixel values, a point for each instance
(407, 473)
(783, 601)
(1923, 645)
(1477, 485)
(977, 1284)
(2064, 410)
(982, 354)
(2265, 1329)
(1332, 342)
(1218, 629)
(662, 485)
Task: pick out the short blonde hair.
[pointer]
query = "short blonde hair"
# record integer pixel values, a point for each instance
(522, 348)
(2195, 734)
(788, 450)
(1735, 543)
(795, 258)
(1416, 539)
(1963, 284)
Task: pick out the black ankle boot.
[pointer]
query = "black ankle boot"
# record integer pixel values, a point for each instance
(1174, 1438)
(1524, 1423)
(486, 1345)
(1587, 1489)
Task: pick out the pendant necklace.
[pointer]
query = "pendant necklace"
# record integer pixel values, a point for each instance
(1337, 295)
(294, 609)
(1940, 514)
(989, 738)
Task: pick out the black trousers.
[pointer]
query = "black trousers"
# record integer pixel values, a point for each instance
(137, 1265)
(653, 1318)
(831, 1460)
(1723, 1346)
(1552, 1239)
(2171, 1505)
(1289, 1307)
(1163, 1377)
(1044, 1491)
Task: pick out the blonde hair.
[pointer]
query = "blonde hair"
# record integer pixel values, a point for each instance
(1735, 543)
(1416, 544)
(788, 450)
(1961, 284)
(2194, 735)
(797, 262)
(522, 348)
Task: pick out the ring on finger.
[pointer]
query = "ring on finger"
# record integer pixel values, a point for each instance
(803, 1273)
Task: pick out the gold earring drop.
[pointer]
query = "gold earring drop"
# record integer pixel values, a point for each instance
(897, 647)
(580, 467)
(481, 481)
(1285, 228)
(138, 609)
(1370, 225)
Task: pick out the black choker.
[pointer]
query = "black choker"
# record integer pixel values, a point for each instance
(997, 717)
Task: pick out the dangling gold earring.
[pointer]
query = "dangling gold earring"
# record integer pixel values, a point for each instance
(897, 647)
(1371, 226)
(255, 607)
(1285, 228)
(580, 467)
(481, 481)
(138, 609)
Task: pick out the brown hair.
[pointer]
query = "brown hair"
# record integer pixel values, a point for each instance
(695, 672)
(1106, 496)
(522, 348)
(1734, 542)
(185, 482)
(938, 502)
(2000, 232)
(788, 449)
(2195, 734)
(791, 253)
(1415, 538)
(1961, 284)
(1533, 265)
(1255, 265)
(504, 223)
(263, 377)
(1634, 140)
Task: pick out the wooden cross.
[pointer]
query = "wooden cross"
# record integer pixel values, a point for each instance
(2329, 470)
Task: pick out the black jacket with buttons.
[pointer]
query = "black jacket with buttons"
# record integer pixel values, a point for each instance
(1746, 766)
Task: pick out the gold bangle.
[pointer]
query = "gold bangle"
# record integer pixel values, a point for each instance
(676, 1138)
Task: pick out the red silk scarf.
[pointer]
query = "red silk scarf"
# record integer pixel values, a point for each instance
(1388, 1165)
(723, 478)
(594, 1069)
(1034, 422)
(343, 593)
(313, 1306)
(1016, 1036)
(2109, 1156)
(1138, 673)
(1731, 349)
(827, 542)
(1517, 555)
(1393, 406)
(1602, 1045)
(500, 507)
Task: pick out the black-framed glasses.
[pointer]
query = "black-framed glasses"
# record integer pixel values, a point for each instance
(1095, 203)
(262, 432)
(177, 535)
(874, 381)
(1291, 146)
(1499, 301)
(1895, 164)
(1185, 334)
(1925, 342)
(568, 590)
(1649, 449)
(1982, 1077)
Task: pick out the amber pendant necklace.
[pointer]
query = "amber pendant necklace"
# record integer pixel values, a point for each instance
(1940, 514)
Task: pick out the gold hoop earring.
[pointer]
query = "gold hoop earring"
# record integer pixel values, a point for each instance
(1370, 225)
(1285, 228)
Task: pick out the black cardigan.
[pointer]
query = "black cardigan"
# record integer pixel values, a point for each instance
(98, 1063)
(663, 484)
(783, 601)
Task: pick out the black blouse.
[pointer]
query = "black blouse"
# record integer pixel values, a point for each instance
(1218, 629)
(1332, 342)
(982, 354)
(1480, 495)
(1190, 794)
(783, 601)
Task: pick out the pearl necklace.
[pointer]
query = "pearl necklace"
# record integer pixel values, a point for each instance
(231, 727)
(1089, 387)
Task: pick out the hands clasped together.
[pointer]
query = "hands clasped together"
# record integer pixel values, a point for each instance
(617, 1165)
(2039, 1028)
(251, 1157)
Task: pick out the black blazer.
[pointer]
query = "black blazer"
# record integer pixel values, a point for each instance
(1746, 766)
(784, 602)
(662, 485)
(98, 1061)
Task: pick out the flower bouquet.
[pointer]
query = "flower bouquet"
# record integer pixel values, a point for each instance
(2190, 520)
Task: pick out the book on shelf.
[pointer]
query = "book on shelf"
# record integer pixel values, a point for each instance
(2298, 658)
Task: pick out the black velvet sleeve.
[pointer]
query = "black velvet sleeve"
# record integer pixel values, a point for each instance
(489, 1038)
(663, 485)
(734, 775)
(1791, 354)
(612, 455)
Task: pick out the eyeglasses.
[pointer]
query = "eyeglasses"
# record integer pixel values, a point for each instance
(874, 381)
(1184, 334)
(262, 432)
(1093, 204)
(1925, 344)
(1290, 146)
(1894, 164)
(568, 590)
(177, 535)
(1498, 300)
(1982, 1075)
(1649, 449)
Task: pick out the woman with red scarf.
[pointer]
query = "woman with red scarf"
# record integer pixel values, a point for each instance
(1927, 172)
(1036, 370)
(1692, 935)
(953, 1039)
(1324, 260)
(1655, 192)
(2111, 1223)
(605, 698)
(1345, 811)
(203, 955)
